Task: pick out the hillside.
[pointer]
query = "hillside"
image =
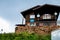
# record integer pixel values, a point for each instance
(24, 36)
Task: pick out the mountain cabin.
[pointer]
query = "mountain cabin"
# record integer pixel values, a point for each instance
(39, 18)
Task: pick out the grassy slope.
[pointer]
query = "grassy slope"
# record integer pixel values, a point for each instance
(24, 36)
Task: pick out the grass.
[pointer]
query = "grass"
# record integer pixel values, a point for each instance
(24, 36)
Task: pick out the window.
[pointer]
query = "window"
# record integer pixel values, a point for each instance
(32, 24)
(40, 24)
(47, 23)
(32, 16)
(32, 20)
(46, 16)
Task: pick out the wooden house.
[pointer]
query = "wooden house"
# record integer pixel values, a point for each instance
(40, 16)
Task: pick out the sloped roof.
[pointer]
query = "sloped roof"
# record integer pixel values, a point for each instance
(30, 10)
(47, 8)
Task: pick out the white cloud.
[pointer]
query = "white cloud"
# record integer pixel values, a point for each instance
(5, 25)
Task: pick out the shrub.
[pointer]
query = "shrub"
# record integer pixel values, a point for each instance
(24, 36)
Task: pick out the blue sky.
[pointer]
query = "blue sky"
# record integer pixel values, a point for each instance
(10, 9)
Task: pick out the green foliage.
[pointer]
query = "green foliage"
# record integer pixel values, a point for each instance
(24, 36)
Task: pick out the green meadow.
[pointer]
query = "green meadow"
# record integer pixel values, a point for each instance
(24, 36)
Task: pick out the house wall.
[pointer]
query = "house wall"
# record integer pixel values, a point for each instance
(28, 18)
(37, 22)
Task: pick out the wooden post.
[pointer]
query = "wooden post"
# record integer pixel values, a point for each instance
(22, 20)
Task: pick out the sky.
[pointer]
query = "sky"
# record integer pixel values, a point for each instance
(10, 10)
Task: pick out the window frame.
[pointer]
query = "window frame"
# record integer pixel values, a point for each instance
(46, 16)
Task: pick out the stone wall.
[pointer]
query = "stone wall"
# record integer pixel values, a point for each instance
(37, 29)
